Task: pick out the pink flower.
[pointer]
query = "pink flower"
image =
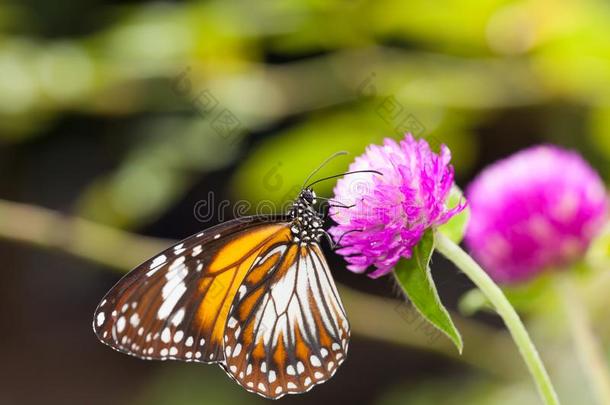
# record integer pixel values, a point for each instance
(535, 210)
(390, 213)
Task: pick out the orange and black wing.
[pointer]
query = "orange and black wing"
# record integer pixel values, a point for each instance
(176, 305)
(287, 330)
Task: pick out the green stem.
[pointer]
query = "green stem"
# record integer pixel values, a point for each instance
(589, 353)
(503, 307)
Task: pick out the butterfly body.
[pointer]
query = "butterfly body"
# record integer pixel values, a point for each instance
(306, 221)
(254, 295)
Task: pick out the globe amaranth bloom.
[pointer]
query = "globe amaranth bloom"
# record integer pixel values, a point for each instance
(535, 210)
(389, 213)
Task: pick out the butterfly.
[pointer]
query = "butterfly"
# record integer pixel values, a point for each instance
(254, 295)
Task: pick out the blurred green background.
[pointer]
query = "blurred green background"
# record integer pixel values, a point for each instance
(117, 118)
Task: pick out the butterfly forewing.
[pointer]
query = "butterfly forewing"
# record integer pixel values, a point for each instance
(175, 305)
(287, 330)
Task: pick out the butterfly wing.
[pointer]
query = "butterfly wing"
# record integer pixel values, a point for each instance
(287, 330)
(175, 306)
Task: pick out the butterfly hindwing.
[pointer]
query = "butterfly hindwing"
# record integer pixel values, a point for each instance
(175, 305)
(287, 330)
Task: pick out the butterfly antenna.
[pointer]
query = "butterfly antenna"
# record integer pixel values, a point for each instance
(343, 174)
(328, 159)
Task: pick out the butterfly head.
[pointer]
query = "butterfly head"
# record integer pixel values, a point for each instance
(308, 196)
(306, 221)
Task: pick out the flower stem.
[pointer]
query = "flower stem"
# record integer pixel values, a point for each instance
(589, 353)
(503, 307)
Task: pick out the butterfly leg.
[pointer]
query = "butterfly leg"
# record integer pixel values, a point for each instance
(324, 209)
(342, 206)
(338, 244)
(329, 238)
(334, 203)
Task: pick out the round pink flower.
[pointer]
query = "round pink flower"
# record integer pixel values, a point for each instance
(535, 210)
(389, 213)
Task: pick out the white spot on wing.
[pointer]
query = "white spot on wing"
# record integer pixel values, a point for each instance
(282, 291)
(170, 302)
(166, 335)
(134, 320)
(173, 288)
(242, 291)
(237, 350)
(100, 319)
(197, 250)
(178, 317)
(120, 324)
(158, 261)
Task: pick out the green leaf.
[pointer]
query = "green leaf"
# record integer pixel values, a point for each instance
(455, 228)
(415, 278)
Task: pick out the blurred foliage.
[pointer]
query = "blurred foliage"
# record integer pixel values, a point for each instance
(460, 391)
(539, 295)
(476, 389)
(599, 251)
(299, 71)
(182, 384)
(160, 166)
(535, 295)
(276, 169)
